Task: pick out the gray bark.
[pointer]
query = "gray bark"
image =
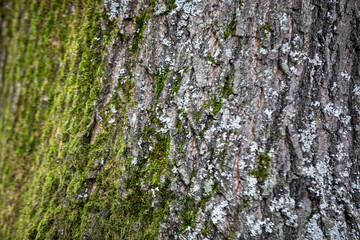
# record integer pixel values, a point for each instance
(295, 72)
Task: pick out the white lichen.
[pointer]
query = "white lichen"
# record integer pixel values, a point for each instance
(218, 213)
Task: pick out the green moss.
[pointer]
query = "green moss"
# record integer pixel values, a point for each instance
(245, 203)
(231, 28)
(215, 188)
(197, 116)
(263, 168)
(231, 236)
(177, 85)
(160, 78)
(210, 58)
(266, 30)
(312, 213)
(140, 23)
(228, 88)
(266, 27)
(241, 4)
(135, 215)
(127, 85)
(55, 167)
(51, 184)
(159, 159)
(178, 121)
(177, 81)
(140, 27)
(217, 104)
(206, 231)
(189, 211)
(170, 4)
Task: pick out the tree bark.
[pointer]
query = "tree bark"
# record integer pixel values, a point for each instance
(180, 119)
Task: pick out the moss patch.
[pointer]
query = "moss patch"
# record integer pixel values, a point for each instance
(58, 180)
(231, 28)
(262, 171)
(216, 102)
(140, 23)
(161, 76)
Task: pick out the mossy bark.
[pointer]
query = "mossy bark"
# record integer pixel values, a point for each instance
(179, 119)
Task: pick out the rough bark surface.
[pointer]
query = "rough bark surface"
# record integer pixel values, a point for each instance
(180, 119)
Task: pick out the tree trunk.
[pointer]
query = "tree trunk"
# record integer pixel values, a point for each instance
(180, 119)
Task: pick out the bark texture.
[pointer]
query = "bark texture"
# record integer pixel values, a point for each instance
(180, 119)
